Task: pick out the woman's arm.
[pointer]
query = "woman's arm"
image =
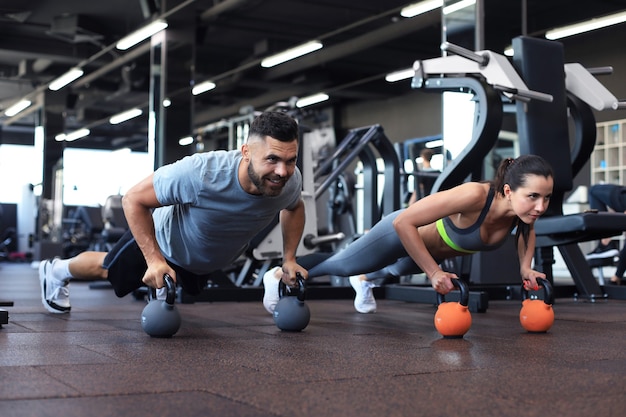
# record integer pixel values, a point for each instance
(526, 254)
(461, 200)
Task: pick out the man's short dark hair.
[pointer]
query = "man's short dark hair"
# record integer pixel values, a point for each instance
(278, 125)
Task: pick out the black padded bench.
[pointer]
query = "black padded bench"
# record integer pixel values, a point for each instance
(565, 232)
(579, 227)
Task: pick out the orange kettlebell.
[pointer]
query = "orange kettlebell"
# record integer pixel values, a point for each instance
(453, 319)
(537, 316)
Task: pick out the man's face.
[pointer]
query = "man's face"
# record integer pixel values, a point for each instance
(271, 164)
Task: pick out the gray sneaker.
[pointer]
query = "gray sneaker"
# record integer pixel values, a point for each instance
(55, 294)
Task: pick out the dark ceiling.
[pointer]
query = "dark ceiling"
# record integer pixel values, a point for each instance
(224, 41)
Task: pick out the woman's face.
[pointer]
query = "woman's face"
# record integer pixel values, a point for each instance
(531, 199)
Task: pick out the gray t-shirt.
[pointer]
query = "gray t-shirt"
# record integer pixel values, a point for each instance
(208, 219)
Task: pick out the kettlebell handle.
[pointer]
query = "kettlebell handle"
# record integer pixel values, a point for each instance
(463, 288)
(301, 287)
(171, 290)
(548, 294)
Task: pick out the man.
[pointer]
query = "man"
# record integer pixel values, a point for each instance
(424, 182)
(601, 198)
(196, 216)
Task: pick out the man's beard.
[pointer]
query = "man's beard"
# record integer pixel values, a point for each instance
(262, 185)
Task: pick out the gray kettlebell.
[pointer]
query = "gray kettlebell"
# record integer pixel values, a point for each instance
(291, 314)
(160, 318)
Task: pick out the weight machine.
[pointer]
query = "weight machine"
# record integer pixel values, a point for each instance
(543, 130)
(491, 78)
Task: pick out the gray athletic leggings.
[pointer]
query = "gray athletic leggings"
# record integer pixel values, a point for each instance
(378, 254)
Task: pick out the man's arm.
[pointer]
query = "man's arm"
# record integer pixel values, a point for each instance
(138, 203)
(292, 226)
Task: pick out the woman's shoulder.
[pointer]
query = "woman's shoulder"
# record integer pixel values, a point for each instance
(478, 188)
(469, 196)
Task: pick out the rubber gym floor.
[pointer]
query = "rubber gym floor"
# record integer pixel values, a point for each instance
(229, 359)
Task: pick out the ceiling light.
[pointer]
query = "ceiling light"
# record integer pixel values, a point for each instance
(127, 115)
(202, 87)
(392, 77)
(420, 8)
(140, 34)
(65, 79)
(77, 134)
(167, 102)
(314, 99)
(187, 140)
(458, 6)
(290, 54)
(17, 107)
(434, 143)
(508, 51)
(586, 26)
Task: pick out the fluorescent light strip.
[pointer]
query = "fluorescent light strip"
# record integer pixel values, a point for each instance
(310, 100)
(290, 54)
(140, 34)
(586, 26)
(434, 143)
(127, 115)
(66, 79)
(17, 107)
(202, 87)
(77, 134)
(458, 6)
(187, 140)
(392, 77)
(422, 7)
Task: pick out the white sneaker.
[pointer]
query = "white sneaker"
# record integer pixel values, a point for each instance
(55, 294)
(270, 283)
(364, 302)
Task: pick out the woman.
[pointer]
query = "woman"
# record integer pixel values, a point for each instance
(471, 217)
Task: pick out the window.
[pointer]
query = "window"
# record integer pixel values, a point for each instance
(19, 166)
(90, 176)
